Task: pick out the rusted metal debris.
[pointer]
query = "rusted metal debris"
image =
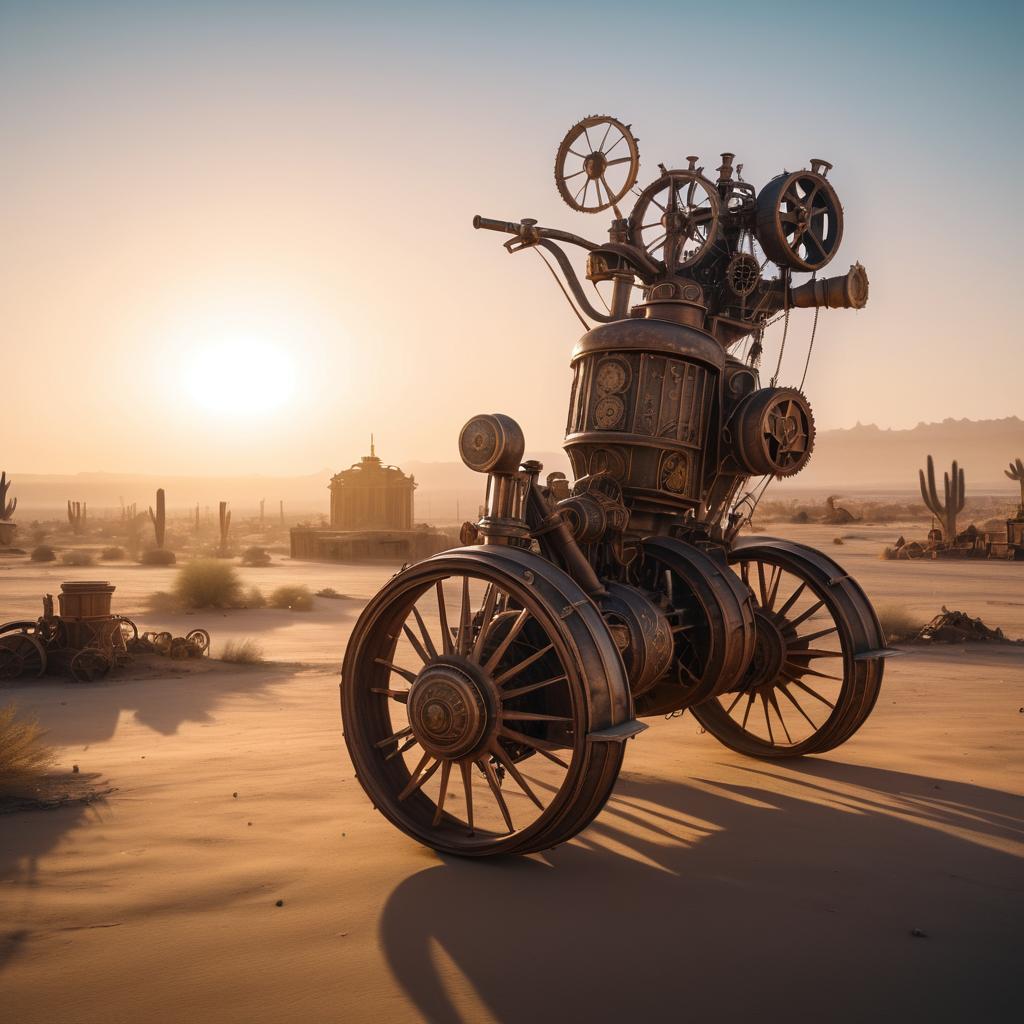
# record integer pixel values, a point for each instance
(85, 640)
(956, 627)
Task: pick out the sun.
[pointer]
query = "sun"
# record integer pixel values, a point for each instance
(240, 376)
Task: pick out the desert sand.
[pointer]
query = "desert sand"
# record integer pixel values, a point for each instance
(712, 886)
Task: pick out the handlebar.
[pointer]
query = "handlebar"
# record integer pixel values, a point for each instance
(530, 234)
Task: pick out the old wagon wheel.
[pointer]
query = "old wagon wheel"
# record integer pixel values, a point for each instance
(712, 619)
(199, 638)
(596, 164)
(799, 220)
(675, 219)
(817, 667)
(11, 665)
(30, 651)
(128, 630)
(89, 664)
(460, 671)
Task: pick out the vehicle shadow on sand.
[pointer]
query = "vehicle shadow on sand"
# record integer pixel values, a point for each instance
(819, 889)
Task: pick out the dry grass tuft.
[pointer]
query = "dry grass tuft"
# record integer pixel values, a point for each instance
(43, 553)
(242, 652)
(114, 554)
(898, 625)
(296, 599)
(254, 598)
(208, 583)
(23, 756)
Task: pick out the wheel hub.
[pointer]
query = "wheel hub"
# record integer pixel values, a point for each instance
(769, 651)
(595, 165)
(448, 710)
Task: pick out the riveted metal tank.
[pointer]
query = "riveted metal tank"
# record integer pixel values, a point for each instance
(646, 399)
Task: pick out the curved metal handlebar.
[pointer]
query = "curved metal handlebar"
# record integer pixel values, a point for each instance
(529, 233)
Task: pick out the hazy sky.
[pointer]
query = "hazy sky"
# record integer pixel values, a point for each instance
(236, 237)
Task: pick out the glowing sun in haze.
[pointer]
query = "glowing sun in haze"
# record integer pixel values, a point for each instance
(240, 376)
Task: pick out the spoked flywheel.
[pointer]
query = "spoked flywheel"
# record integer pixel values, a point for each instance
(817, 664)
(480, 694)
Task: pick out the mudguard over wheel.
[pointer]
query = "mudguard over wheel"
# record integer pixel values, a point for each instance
(484, 703)
(818, 659)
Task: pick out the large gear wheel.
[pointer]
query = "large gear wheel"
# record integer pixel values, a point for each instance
(773, 432)
(596, 164)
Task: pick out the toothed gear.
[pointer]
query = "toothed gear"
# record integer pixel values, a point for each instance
(773, 432)
(582, 170)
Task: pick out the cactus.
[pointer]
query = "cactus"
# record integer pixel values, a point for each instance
(76, 515)
(159, 518)
(225, 527)
(954, 494)
(1015, 472)
(7, 507)
(281, 504)
(197, 517)
(263, 501)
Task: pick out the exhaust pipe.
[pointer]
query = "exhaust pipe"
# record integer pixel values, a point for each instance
(849, 291)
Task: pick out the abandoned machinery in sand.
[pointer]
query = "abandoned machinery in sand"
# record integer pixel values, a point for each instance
(488, 691)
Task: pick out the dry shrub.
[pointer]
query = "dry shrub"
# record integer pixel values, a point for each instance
(898, 625)
(888, 554)
(76, 557)
(838, 540)
(157, 556)
(43, 553)
(114, 554)
(295, 598)
(163, 603)
(22, 754)
(329, 592)
(242, 652)
(254, 598)
(207, 583)
(256, 556)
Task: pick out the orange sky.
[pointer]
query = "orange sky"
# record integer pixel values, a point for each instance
(238, 245)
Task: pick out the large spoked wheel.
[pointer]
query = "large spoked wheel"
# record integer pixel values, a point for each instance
(817, 664)
(472, 689)
(25, 645)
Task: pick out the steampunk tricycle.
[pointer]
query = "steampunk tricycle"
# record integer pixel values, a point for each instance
(487, 692)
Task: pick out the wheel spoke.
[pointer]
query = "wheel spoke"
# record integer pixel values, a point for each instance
(797, 705)
(807, 614)
(492, 781)
(525, 663)
(465, 619)
(792, 599)
(532, 716)
(514, 630)
(761, 585)
(807, 689)
(778, 713)
(543, 746)
(736, 701)
(806, 670)
(402, 696)
(773, 587)
(427, 642)
(487, 616)
(510, 767)
(821, 632)
(446, 769)
(419, 776)
(442, 614)
(417, 646)
(410, 742)
(746, 711)
(394, 738)
(767, 719)
(530, 687)
(814, 652)
(467, 785)
(408, 676)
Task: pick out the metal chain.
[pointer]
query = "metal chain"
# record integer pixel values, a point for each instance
(785, 330)
(810, 348)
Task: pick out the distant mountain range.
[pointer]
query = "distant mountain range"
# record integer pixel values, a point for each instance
(861, 458)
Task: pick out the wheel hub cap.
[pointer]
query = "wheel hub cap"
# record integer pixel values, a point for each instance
(448, 712)
(769, 651)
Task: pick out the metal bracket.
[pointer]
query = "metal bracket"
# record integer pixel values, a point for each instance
(617, 733)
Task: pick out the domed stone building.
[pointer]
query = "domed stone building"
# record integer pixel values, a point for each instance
(371, 518)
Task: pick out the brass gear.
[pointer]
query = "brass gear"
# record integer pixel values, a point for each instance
(609, 133)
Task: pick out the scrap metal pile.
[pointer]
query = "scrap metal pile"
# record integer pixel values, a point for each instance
(85, 640)
(953, 627)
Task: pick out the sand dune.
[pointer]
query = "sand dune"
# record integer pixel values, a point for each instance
(712, 886)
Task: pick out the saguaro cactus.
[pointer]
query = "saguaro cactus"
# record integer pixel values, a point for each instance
(7, 507)
(954, 493)
(1015, 472)
(159, 518)
(225, 527)
(76, 515)
(263, 501)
